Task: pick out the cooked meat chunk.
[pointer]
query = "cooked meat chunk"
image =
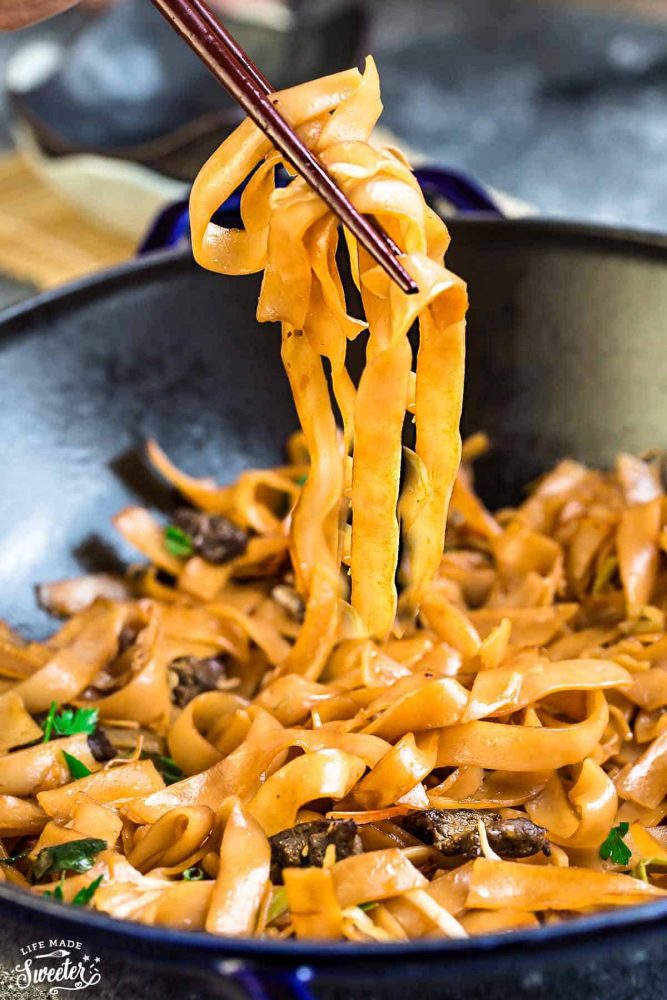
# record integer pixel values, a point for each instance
(100, 745)
(192, 676)
(292, 603)
(456, 831)
(304, 845)
(215, 538)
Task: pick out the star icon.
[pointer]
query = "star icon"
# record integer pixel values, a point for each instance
(86, 959)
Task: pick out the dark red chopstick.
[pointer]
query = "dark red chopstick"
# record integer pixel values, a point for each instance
(231, 65)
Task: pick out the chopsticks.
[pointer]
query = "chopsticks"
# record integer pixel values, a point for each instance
(231, 65)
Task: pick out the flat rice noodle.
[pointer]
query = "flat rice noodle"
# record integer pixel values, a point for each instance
(507, 689)
(313, 907)
(72, 669)
(188, 740)
(241, 773)
(645, 781)
(243, 875)
(500, 885)
(261, 633)
(519, 551)
(89, 819)
(649, 689)
(468, 506)
(113, 785)
(517, 748)
(140, 529)
(530, 626)
(554, 810)
(637, 548)
(406, 764)
(202, 579)
(364, 878)
(17, 727)
(432, 705)
(321, 774)
(40, 767)
(477, 922)
(184, 906)
(495, 790)
(452, 625)
(20, 661)
(173, 839)
(580, 643)
(648, 844)
(640, 480)
(20, 817)
(146, 697)
(595, 801)
(290, 698)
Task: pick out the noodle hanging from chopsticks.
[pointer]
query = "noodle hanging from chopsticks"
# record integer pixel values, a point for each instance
(301, 715)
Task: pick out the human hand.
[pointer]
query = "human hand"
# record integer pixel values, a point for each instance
(16, 14)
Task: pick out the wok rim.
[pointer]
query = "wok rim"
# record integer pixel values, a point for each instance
(189, 946)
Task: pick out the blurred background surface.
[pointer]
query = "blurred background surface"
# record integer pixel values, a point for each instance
(561, 104)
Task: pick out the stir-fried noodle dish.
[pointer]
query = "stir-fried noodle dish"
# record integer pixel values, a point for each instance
(306, 712)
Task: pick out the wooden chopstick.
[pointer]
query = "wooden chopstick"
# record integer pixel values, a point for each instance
(230, 64)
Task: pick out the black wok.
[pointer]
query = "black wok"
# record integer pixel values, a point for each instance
(566, 355)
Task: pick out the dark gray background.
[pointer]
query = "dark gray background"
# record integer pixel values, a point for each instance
(565, 108)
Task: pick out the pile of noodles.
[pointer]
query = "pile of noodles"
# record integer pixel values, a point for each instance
(523, 668)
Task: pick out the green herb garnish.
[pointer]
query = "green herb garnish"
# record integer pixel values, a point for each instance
(614, 848)
(84, 896)
(367, 906)
(301, 480)
(168, 768)
(15, 857)
(177, 542)
(77, 768)
(193, 874)
(57, 893)
(278, 904)
(69, 721)
(81, 898)
(48, 721)
(75, 856)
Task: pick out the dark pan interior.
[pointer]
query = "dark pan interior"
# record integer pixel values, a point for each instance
(565, 356)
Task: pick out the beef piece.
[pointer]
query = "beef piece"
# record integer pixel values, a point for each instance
(456, 831)
(215, 538)
(100, 745)
(194, 676)
(304, 845)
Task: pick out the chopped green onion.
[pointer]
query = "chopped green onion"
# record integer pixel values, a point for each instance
(177, 542)
(84, 896)
(57, 893)
(77, 768)
(48, 721)
(194, 874)
(15, 857)
(278, 904)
